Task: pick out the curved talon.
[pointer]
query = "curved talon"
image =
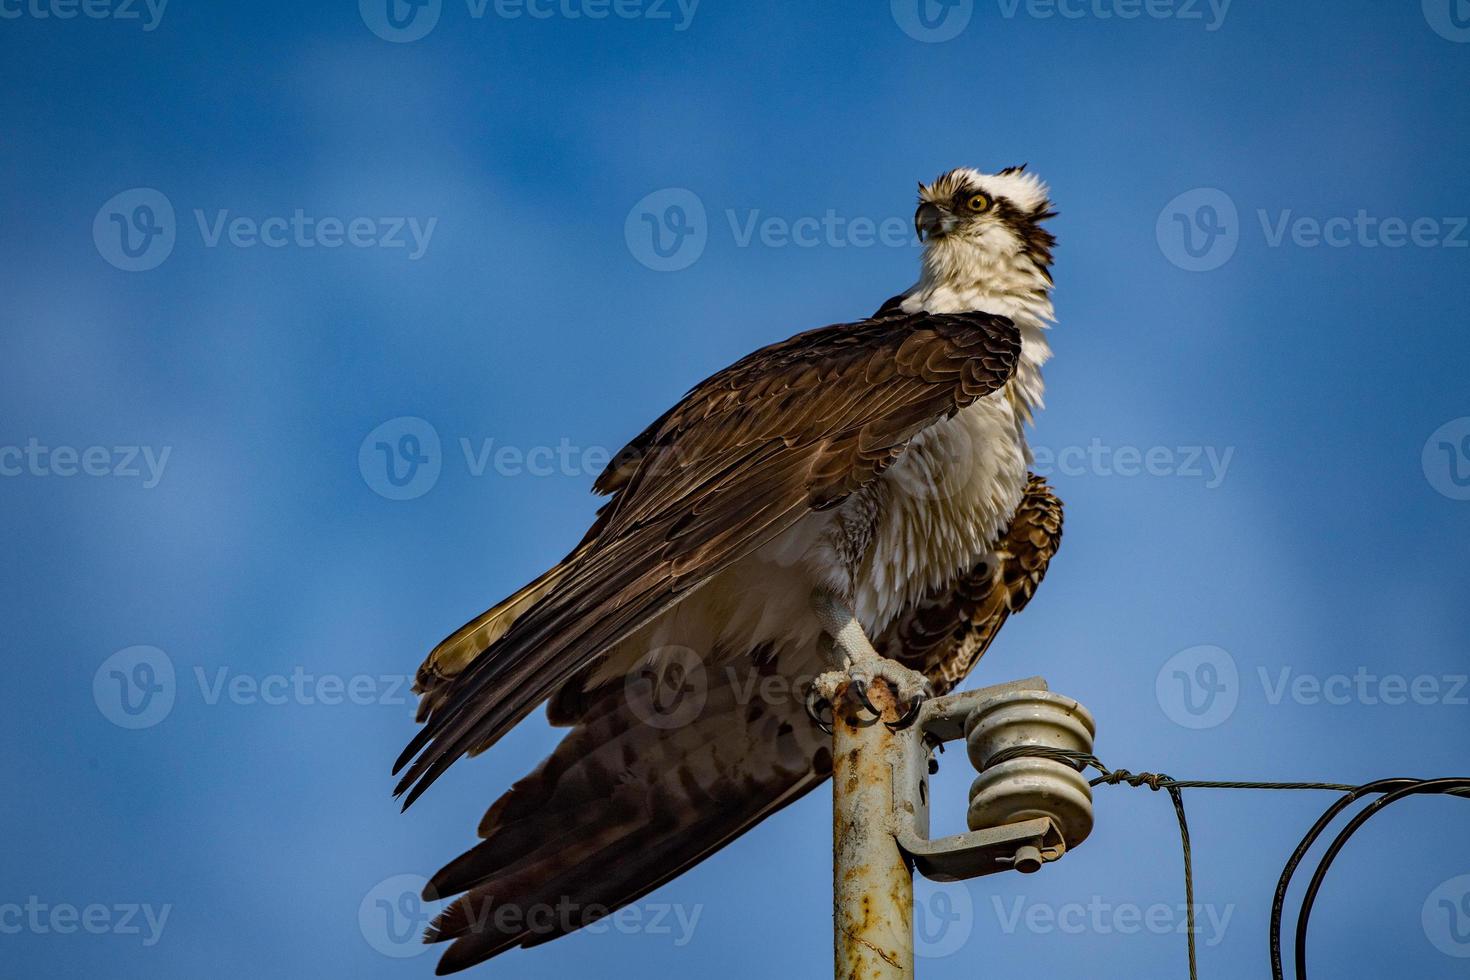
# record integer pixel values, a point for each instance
(860, 687)
(814, 703)
(909, 715)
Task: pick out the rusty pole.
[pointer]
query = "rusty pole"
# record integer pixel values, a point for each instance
(873, 888)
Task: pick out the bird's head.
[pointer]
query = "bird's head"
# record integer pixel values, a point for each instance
(979, 227)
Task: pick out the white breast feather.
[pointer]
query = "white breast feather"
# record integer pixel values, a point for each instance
(945, 502)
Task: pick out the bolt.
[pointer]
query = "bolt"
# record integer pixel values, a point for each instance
(1028, 860)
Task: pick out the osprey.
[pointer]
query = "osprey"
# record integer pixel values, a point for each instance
(878, 468)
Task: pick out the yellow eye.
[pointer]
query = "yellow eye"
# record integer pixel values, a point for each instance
(978, 202)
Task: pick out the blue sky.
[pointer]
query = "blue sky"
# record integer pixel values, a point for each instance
(1257, 416)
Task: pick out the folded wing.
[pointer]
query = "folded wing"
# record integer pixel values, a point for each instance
(793, 428)
(629, 800)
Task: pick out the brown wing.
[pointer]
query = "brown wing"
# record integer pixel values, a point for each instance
(945, 635)
(629, 800)
(622, 806)
(791, 429)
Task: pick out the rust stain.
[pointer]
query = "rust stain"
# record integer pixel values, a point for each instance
(872, 887)
(881, 954)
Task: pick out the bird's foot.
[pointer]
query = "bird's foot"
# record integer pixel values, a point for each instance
(910, 688)
(862, 666)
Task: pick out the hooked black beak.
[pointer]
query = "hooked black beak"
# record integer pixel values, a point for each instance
(929, 221)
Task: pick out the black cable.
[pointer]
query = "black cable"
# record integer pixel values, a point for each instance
(1393, 789)
(1448, 785)
(1278, 903)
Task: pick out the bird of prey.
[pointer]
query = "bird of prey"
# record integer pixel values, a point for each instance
(877, 467)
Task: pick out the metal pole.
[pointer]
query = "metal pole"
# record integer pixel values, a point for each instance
(873, 888)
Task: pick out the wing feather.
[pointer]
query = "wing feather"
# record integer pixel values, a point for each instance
(633, 805)
(792, 428)
(947, 633)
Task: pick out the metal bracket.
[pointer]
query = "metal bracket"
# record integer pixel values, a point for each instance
(1024, 812)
